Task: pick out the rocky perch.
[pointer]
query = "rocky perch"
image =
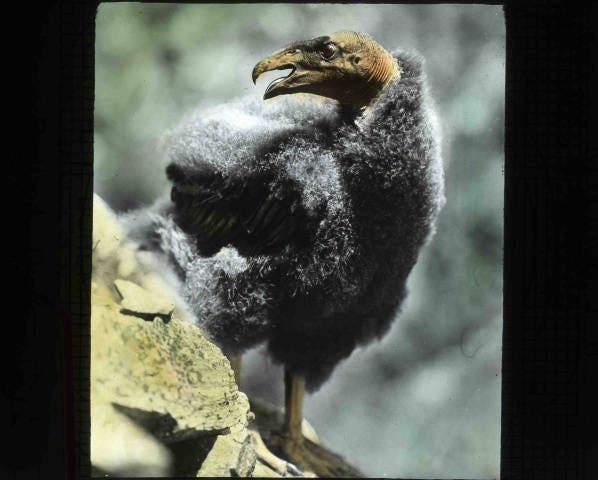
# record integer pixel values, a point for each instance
(164, 401)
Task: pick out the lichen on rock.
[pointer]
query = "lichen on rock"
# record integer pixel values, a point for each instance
(163, 397)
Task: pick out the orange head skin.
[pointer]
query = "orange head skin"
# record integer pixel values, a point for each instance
(348, 67)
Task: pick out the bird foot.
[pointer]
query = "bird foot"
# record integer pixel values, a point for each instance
(264, 455)
(303, 451)
(314, 459)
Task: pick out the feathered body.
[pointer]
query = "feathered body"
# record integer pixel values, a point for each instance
(317, 219)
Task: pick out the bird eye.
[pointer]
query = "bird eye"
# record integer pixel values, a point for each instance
(291, 51)
(328, 51)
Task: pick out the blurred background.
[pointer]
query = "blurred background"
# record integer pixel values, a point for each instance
(425, 401)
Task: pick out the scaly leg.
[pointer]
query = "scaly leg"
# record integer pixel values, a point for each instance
(262, 452)
(306, 453)
(293, 415)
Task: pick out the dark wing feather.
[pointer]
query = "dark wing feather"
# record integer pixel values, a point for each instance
(244, 213)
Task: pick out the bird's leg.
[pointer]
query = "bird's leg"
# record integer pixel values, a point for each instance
(300, 443)
(235, 363)
(293, 419)
(282, 467)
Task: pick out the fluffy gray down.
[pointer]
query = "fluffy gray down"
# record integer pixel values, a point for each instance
(370, 188)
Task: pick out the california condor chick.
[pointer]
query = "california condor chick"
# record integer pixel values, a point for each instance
(297, 221)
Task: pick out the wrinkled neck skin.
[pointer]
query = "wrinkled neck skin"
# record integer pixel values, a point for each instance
(381, 74)
(402, 91)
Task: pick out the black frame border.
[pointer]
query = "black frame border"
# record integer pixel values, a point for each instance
(551, 241)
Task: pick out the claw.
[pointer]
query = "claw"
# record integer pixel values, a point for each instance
(280, 466)
(293, 470)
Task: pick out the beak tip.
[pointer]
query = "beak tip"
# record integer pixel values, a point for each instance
(255, 73)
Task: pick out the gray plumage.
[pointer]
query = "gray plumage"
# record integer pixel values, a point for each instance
(323, 266)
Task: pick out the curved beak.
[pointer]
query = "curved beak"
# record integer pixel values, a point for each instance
(279, 60)
(276, 61)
